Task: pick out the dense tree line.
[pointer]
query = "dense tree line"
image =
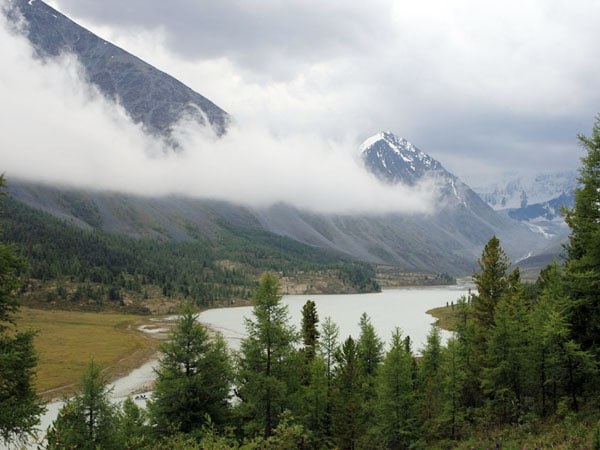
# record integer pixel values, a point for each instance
(20, 406)
(103, 265)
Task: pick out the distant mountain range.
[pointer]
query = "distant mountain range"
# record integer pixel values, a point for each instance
(519, 191)
(449, 240)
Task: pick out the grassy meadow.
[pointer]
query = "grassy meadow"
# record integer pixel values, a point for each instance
(68, 340)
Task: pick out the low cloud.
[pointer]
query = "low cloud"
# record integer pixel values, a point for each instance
(503, 84)
(57, 129)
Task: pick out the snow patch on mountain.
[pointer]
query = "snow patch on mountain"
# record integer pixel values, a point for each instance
(519, 190)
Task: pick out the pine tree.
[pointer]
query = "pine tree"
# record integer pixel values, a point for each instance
(370, 347)
(20, 407)
(268, 377)
(491, 284)
(453, 378)
(429, 379)
(88, 420)
(348, 425)
(396, 413)
(583, 250)
(316, 400)
(193, 378)
(507, 370)
(328, 347)
(310, 332)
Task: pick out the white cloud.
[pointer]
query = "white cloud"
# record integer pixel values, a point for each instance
(462, 79)
(57, 129)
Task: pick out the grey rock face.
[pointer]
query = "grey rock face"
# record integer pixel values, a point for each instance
(150, 96)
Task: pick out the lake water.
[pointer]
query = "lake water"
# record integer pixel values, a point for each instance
(404, 308)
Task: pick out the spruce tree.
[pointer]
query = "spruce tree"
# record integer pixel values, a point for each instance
(20, 407)
(348, 425)
(507, 371)
(328, 347)
(193, 378)
(583, 249)
(429, 382)
(88, 420)
(491, 283)
(396, 422)
(310, 331)
(268, 379)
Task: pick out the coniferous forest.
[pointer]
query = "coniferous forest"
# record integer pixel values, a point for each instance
(521, 370)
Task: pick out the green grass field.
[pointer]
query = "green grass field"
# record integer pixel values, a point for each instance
(446, 317)
(68, 340)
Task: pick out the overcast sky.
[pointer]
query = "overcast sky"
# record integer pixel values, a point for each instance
(482, 86)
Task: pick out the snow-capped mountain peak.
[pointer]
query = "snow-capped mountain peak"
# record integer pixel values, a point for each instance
(395, 159)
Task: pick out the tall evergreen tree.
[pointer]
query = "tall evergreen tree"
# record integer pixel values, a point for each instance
(328, 346)
(268, 380)
(507, 370)
(453, 378)
(348, 425)
(20, 407)
(88, 420)
(491, 284)
(310, 331)
(396, 413)
(583, 250)
(370, 347)
(193, 378)
(429, 379)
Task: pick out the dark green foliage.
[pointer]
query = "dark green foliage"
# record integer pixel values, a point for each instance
(132, 426)
(429, 382)
(310, 332)
(506, 371)
(348, 421)
(193, 379)
(268, 375)
(20, 406)
(583, 262)
(396, 412)
(491, 283)
(88, 420)
(56, 250)
(370, 347)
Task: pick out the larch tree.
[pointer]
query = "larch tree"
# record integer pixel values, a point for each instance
(268, 379)
(20, 407)
(193, 378)
(310, 331)
(396, 414)
(583, 249)
(491, 283)
(348, 425)
(88, 420)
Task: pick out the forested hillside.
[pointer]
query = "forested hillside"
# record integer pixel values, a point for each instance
(101, 267)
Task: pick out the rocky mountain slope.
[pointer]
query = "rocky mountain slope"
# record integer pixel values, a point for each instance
(447, 241)
(151, 97)
(519, 191)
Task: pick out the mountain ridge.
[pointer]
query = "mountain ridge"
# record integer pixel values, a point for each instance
(151, 97)
(449, 240)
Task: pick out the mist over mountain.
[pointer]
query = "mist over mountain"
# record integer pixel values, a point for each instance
(421, 217)
(518, 190)
(151, 97)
